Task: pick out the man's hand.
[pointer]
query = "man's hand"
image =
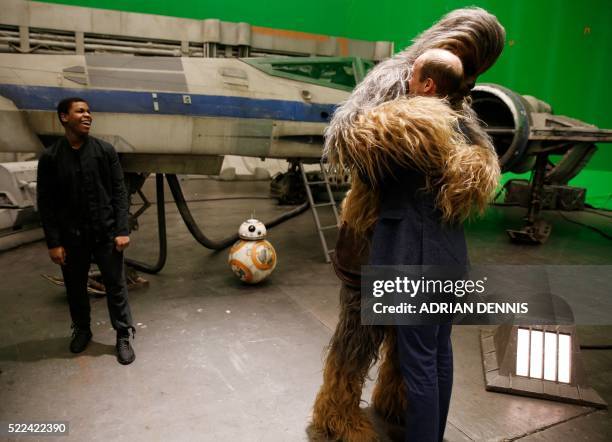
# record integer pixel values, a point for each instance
(121, 242)
(58, 255)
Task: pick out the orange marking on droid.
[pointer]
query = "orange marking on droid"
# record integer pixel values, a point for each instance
(259, 264)
(237, 246)
(248, 276)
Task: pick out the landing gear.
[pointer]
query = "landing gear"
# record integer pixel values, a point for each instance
(535, 230)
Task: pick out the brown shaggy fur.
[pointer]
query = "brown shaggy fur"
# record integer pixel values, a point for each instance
(389, 395)
(352, 351)
(420, 133)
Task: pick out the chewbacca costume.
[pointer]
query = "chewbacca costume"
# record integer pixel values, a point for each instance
(378, 134)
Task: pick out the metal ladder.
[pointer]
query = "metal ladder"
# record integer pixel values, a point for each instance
(332, 203)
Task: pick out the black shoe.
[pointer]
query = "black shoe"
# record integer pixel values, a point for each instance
(125, 352)
(80, 338)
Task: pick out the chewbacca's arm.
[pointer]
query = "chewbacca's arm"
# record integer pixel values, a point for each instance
(422, 133)
(413, 132)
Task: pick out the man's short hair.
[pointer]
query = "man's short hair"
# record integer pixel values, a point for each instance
(447, 77)
(63, 107)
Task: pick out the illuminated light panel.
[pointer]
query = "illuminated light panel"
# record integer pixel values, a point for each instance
(543, 355)
(536, 354)
(565, 358)
(522, 352)
(509, 360)
(550, 356)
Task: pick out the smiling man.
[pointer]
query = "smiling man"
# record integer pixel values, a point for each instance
(83, 206)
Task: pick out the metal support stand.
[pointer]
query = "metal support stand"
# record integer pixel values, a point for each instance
(535, 230)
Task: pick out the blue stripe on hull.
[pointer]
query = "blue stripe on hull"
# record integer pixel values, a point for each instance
(100, 100)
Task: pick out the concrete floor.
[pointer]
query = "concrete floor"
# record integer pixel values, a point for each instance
(217, 360)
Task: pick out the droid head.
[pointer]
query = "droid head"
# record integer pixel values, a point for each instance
(252, 229)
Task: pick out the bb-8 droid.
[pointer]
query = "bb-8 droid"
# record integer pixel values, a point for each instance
(252, 258)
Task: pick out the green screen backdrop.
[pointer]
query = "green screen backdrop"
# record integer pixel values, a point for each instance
(557, 50)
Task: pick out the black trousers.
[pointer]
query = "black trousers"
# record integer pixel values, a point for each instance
(426, 361)
(76, 271)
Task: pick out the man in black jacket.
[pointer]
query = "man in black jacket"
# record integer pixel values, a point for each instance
(83, 206)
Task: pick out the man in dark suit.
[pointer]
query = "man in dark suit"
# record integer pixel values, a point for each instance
(410, 231)
(83, 206)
